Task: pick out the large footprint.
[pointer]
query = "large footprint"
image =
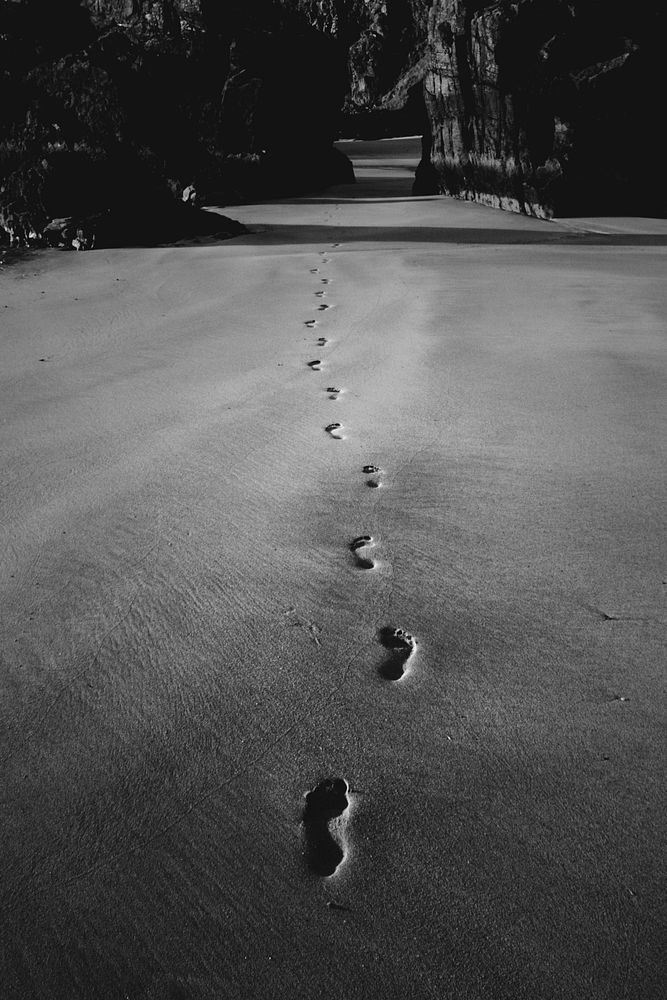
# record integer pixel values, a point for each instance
(402, 647)
(334, 431)
(372, 471)
(324, 821)
(360, 547)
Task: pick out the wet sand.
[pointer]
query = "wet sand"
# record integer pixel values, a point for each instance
(403, 555)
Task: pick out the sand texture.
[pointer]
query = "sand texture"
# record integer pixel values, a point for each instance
(333, 607)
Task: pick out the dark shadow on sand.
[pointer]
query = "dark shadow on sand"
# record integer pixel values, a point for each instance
(550, 235)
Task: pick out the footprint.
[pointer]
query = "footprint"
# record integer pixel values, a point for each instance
(332, 429)
(325, 281)
(321, 341)
(324, 306)
(311, 324)
(335, 244)
(320, 294)
(402, 647)
(371, 470)
(314, 270)
(363, 542)
(324, 822)
(333, 392)
(315, 365)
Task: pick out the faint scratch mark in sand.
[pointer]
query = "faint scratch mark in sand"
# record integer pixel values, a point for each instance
(622, 618)
(310, 627)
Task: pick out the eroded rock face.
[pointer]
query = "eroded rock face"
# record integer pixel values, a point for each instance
(543, 106)
(383, 42)
(538, 106)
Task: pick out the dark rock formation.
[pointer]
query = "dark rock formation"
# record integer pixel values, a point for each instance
(540, 106)
(383, 42)
(117, 106)
(544, 106)
(280, 101)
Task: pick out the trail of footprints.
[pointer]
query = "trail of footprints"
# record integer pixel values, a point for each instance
(327, 806)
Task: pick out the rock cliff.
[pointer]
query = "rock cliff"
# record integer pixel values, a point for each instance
(544, 106)
(539, 106)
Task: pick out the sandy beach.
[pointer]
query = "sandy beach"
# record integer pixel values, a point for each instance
(368, 503)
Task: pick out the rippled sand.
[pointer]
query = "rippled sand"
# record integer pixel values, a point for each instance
(208, 615)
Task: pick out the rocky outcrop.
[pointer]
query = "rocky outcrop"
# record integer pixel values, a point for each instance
(383, 43)
(544, 106)
(539, 106)
(117, 105)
